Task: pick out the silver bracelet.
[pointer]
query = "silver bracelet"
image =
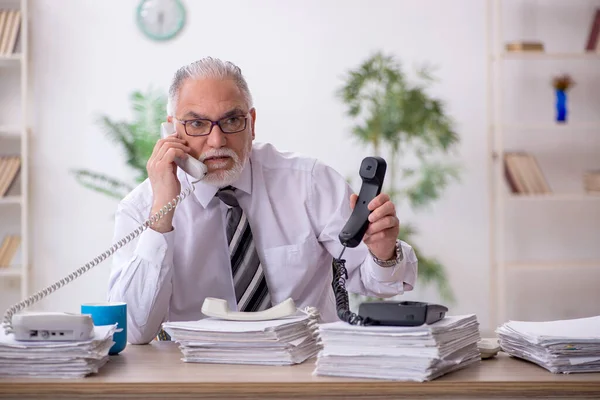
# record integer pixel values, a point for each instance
(394, 261)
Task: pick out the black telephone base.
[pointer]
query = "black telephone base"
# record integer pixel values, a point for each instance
(401, 313)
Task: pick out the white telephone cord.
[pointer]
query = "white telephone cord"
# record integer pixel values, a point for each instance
(170, 206)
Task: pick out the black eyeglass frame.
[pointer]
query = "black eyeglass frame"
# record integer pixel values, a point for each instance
(213, 123)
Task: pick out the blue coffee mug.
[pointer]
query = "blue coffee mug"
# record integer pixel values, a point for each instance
(109, 314)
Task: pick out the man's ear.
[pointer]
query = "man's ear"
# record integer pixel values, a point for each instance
(253, 121)
(170, 118)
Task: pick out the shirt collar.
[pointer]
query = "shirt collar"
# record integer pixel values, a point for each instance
(205, 192)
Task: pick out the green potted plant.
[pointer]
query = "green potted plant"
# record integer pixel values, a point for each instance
(394, 114)
(137, 140)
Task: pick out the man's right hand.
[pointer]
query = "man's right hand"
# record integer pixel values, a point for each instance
(162, 172)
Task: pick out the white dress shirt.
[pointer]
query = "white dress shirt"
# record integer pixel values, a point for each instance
(296, 207)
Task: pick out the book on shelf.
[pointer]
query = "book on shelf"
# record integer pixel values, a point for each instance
(591, 182)
(525, 46)
(523, 174)
(8, 249)
(10, 24)
(9, 169)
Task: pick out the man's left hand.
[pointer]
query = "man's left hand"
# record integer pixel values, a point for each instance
(384, 226)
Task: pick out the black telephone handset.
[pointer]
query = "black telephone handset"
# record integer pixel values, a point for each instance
(372, 171)
(388, 313)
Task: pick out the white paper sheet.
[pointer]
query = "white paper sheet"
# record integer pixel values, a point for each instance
(418, 353)
(560, 346)
(51, 359)
(283, 341)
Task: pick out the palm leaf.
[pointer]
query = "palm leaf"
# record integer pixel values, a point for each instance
(102, 183)
(136, 139)
(433, 179)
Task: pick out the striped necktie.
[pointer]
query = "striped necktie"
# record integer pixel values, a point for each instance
(251, 291)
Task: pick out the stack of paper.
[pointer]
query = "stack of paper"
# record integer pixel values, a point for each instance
(55, 359)
(418, 353)
(283, 341)
(563, 346)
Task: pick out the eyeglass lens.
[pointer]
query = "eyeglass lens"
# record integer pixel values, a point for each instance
(200, 127)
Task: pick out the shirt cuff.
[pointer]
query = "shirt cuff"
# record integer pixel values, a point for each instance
(156, 247)
(385, 274)
(404, 272)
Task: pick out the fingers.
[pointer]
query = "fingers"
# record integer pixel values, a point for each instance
(158, 158)
(170, 154)
(171, 138)
(162, 173)
(385, 209)
(383, 221)
(353, 198)
(378, 201)
(383, 233)
(388, 222)
(163, 145)
(377, 237)
(168, 146)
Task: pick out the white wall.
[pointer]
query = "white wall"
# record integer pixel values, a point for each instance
(88, 56)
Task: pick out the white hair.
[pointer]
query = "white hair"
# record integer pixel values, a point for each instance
(207, 68)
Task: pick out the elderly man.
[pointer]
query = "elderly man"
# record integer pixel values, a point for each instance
(261, 227)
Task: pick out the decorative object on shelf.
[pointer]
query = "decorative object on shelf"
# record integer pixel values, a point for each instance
(400, 117)
(562, 83)
(160, 20)
(137, 139)
(524, 46)
(591, 182)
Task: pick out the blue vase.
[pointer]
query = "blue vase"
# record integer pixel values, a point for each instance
(561, 105)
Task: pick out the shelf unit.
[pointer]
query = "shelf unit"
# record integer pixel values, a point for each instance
(500, 196)
(547, 56)
(14, 140)
(576, 127)
(555, 197)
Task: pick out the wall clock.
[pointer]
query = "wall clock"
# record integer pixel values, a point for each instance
(160, 19)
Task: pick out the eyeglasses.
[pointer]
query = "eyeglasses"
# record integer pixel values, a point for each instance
(203, 127)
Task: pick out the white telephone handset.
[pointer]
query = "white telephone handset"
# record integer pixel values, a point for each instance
(217, 308)
(190, 165)
(27, 327)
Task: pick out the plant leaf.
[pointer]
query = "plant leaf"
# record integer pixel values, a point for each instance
(102, 183)
(394, 114)
(136, 138)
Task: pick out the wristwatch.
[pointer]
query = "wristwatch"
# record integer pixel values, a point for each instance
(390, 263)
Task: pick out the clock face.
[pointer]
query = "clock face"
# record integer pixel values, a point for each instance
(160, 19)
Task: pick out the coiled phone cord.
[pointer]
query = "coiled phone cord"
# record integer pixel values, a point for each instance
(167, 208)
(342, 304)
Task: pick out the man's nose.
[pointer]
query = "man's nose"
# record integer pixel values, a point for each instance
(216, 138)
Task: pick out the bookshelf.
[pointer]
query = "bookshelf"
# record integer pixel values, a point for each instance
(9, 130)
(17, 200)
(14, 150)
(549, 56)
(14, 272)
(502, 130)
(575, 127)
